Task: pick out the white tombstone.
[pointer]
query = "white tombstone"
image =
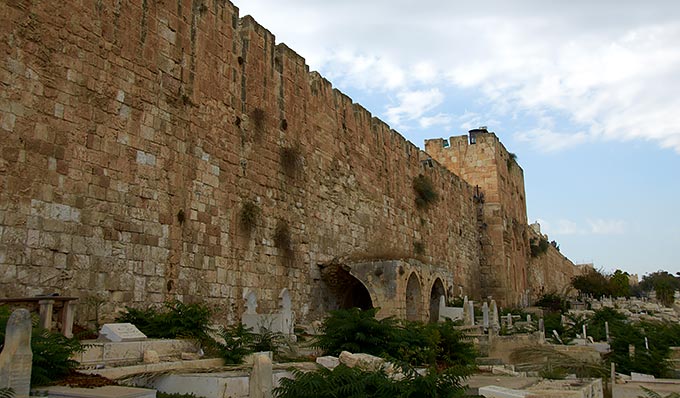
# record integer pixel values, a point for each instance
(508, 320)
(119, 332)
(485, 315)
(541, 325)
(251, 303)
(529, 318)
(286, 308)
(16, 357)
(261, 378)
(606, 330)
(495, 320)
(471, 313)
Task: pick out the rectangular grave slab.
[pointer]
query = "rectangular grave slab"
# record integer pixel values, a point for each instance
(100, 392)
(118, 332)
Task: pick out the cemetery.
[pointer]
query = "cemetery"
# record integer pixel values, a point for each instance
(502, 352)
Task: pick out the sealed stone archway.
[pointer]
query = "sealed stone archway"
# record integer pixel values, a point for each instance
(413, 298)
(436, 292)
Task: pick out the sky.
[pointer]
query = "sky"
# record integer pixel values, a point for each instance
(585, 93)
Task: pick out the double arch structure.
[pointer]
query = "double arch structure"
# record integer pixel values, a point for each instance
(406, 289)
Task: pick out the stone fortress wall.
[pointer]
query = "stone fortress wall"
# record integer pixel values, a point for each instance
(134, 138)
(159, 150)
(482, 160)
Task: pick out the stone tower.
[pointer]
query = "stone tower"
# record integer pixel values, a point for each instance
(482, 161)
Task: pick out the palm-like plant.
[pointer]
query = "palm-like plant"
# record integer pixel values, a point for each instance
(7, 392)
(652, 394)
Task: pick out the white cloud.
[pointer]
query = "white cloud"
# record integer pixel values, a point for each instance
(436, 120)
(596, 226)
(611, 68)
(413, 105)
(607, 227)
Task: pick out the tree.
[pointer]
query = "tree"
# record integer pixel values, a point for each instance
(593, 282)
(619, 284)
(664, 284)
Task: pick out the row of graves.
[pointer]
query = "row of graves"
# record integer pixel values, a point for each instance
(141, 366)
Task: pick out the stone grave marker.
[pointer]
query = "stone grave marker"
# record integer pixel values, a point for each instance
(261, 378)
(16, 357)
(471, 313)
(119, 332)
(495, 321)
(485, 315)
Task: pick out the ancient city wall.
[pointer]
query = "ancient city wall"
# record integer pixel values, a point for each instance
(153, 150)
(482, 160)
(550, 272)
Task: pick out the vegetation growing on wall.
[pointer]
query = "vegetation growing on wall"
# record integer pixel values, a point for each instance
(426, 194)
(418, 248)
(538, 246)
(291, 160)
(512, 159)
(282, 238)
(249, 216)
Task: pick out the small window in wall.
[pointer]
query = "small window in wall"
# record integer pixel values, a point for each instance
(473, 138)
(446, 143)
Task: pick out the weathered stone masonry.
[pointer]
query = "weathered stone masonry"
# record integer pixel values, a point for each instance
(133, 134)
(155, 150)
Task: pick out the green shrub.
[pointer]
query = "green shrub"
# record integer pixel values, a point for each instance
(352, 382)
(426, 195)
(414, 343)
(553, 302)
(355, 330)
(51, 352)
(175, 320)
(240, 341)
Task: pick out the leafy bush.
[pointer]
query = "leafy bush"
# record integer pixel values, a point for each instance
(175, 320)
(660, 336)
(426, 194)
(51, 352)
(553, 302)
(352, 382)
(415, 343)
(355, 330)
(593, 282)
(240, 341)
(237, 343)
